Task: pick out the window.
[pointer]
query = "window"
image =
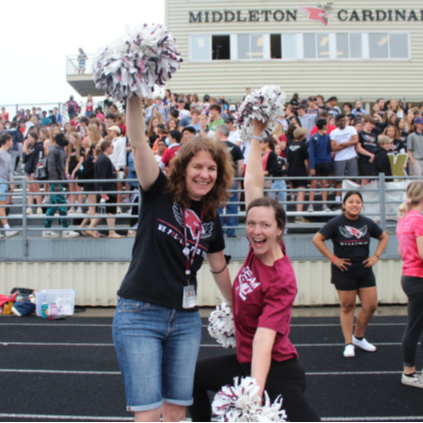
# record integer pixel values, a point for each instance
(378, 46)
(200, 47)
(221, 47)
(348, 46)
(388, 46)
(356, 49)
(323, 46)
(398, 46)
(250, 46)
(309, 46)
(275, 46)
(289, 46)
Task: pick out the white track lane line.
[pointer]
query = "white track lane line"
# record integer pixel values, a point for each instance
(373, 419)
(94, 373)
(57, 417)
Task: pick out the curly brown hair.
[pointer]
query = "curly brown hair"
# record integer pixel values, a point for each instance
(224, 181)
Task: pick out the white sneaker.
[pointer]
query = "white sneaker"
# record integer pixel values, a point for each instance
(310, 209)
(119, 210)
(364, 345)
(29, 210)
(46, 200)
(414, 380)
(326, 208)
(72, 210)
(49, 234)
(70, 234)
(10, 234)
(39, 210)
(349, 351)
(79, 210)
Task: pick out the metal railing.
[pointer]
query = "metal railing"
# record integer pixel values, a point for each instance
(72, 65)
(376, 207)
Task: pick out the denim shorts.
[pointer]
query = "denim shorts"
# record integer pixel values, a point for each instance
(4, 188)
(157, 349)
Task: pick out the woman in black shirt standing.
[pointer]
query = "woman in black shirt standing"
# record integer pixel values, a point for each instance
(353, 275)
(157, 328)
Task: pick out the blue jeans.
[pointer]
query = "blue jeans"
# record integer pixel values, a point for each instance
(157, 349)
(230, 209)
(279, 196)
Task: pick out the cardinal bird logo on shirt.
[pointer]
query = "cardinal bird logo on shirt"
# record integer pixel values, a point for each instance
(349, 231)
(315, 14)
(193, 223)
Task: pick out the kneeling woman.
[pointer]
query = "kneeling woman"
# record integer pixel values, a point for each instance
(353, 275)
(157, 327)
(263, 295)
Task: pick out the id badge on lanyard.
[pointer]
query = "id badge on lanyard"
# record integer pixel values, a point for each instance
(189, 299)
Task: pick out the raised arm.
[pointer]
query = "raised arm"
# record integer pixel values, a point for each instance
(145, 163)
(254, 177)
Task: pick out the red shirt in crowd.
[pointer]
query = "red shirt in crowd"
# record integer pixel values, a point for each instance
(170, 153)
(409, 228)
(263, 297)
(328, 131)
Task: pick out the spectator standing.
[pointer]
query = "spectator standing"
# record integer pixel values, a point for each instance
(403, 134)
(161, 148)
(415, 147)
(358, 110)
(234, 134)
(16, 150)
(204, 124)
(278, 187)
(332, 106)
(45, 121)
(57, 115)
(343, 142)
(214, 115)
(170, 153)
(89, 106)
(366, 147)
(56, 172)
(306, 120)
(320, 157)
(4, 115)
(75, 156)
(297, 166)
(398, 145)
(323, 115)
(104, 169)
(82, 61)
(71, 106)
(381, 162)
(312, 107)
(222, 133)
(33, 150)
(188, 134)
(6, 175)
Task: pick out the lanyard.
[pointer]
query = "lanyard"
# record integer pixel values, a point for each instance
(185, 251)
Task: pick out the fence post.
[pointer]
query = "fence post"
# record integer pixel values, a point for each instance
(24, 218)
(382, 222)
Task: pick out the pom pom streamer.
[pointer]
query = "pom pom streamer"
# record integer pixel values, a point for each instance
(221, 325)
(240, 403)
(265, 105)
(143, 58)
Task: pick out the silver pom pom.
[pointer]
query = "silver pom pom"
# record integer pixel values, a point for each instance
(134, 64)
(264, 105)
(221, 325)
(240, 403)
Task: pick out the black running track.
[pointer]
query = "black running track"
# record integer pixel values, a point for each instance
(67, 371)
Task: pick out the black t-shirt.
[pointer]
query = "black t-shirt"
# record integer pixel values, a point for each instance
(351, 239)
(73, 161)
(398, 146)
(157, 270)
(236, 154)
(297, 154)
(368, 141)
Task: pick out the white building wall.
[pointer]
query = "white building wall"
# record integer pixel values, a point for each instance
(348, 79)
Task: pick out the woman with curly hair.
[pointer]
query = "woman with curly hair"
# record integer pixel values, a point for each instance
(157, 328)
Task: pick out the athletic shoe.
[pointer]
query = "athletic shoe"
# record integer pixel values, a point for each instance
(326, 208)
(415, 380)
(310, 209)
(301, 219)
(39, 210)
(364, 345)
(29, 210)
(126, 200)
(349, 351)
(79, 210)
(10, 234)
(72, 210)
(70, 234)
(49, 234)
(119, 210)
(46, 200)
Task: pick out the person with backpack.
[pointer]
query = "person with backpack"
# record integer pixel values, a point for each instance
(71, 105)
(320, 157)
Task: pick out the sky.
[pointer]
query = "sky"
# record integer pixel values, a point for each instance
(37, 37)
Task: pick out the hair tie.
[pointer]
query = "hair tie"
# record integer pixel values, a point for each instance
(407, 203)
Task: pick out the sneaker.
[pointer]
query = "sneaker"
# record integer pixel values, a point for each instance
(70, 234)
(119, 210)
(126, 201)
(79, 210)
(414, 380)
(310, 209)
(72, 210)
(349, 351)
(326, 208)
(49, 234)
(301, 219)
(46, 200)
(29, 210)
(39, 210)
(10, 234)
(364, 345)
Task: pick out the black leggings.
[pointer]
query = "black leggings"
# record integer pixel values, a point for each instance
(413, 287)
(286, 378)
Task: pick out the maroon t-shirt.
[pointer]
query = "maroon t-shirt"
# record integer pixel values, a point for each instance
(263, 297)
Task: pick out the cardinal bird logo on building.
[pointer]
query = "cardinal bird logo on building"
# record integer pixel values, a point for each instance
(349, 231)
(316, 14)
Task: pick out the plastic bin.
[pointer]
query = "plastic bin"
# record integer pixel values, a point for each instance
(61, 302)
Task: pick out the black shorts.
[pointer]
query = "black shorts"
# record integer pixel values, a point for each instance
(298, 183)
(322, 169)
(345, 282)
(108, 209)
(364, 168)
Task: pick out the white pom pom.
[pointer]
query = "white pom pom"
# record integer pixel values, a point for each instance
(265, 105)
(143, 58)
(240, 403)
(221, 325)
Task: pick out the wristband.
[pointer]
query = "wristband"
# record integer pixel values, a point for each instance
(334, 258)
(255, 137)
(217, 273)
